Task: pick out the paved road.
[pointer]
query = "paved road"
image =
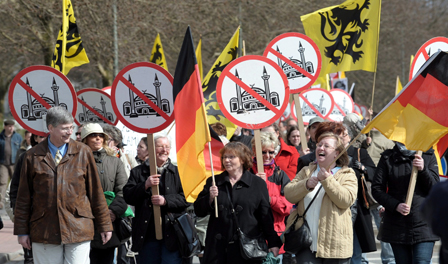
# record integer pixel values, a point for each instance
(8, 244)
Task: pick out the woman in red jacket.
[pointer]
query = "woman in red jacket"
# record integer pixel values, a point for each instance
(275, 179)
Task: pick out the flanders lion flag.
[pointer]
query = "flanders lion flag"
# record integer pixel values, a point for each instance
(214, 114)
(157, 54)
(69, 51)
(347, 35)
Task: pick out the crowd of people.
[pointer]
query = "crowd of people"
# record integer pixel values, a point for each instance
(69, 195)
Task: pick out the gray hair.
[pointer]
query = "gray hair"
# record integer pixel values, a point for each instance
(58, 115)
(113, 132)
(267, 140)
(349, 131)
(161, 136)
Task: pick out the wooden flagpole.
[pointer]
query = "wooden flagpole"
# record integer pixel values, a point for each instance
(154, 189)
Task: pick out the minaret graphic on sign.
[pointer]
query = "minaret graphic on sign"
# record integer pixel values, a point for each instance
(33, 109)
(292, 73)
(136, 106)
(244, 101)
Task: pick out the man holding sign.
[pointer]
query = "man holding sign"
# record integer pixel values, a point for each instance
(59, 197)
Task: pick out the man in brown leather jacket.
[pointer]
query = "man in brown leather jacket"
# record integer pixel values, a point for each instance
(59, 197)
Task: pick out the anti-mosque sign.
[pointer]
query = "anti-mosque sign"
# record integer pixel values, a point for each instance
(425, 51)
(315, 102)
(142, 97)
(252, 92)
(299, 58)
(343, 105)
(36, 89)
(95, 105)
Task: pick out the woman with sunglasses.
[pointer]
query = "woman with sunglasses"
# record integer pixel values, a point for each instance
(113, 177)
(275, 179)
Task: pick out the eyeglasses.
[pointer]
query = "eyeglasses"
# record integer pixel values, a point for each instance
(67, 129)
(163, 147)
(94, 135)
(344, 135)
(325, 146)
(228, 157)
(266, 152)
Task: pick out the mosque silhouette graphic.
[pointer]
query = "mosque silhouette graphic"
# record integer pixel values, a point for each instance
(246, 102)
(33, 109)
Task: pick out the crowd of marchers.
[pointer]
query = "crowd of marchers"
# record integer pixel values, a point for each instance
(68, 197)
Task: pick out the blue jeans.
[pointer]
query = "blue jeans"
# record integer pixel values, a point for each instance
(420, 253)
(387, 255)
(358, 257)
(155, 252)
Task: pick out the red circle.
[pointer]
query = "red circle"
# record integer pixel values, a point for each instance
(96, 90)
(423, 49)
(114, 103)
(293, 113)
(351, 99)
(14, 83)
(316, 49)
(226, 71)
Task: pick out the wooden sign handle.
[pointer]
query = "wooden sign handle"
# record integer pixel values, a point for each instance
(154, 189)
(300, 122)
(412, 183)
(258, 154)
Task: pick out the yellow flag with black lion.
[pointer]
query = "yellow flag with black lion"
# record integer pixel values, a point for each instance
(346, 34)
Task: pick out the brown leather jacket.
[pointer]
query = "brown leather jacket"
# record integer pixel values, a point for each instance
(58, 204)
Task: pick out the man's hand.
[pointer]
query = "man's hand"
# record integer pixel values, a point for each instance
(105, 236)
(158, 200)
(25, 241)
(418, 162)
(152, 181)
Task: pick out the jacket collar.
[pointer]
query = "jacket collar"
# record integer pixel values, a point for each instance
(42, 148)
(246, 178)
(285, 147)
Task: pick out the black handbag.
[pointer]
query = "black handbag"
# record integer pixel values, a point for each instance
(250, 248)
(300, 239)
(368, 201)
(188, 239)
(123, 229)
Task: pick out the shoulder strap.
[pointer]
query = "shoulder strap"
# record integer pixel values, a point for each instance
(233, 209)
(308, 207)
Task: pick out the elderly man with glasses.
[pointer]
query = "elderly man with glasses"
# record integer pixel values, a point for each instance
(60, 197)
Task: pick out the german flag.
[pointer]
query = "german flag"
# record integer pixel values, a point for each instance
(416, 117)
(192, 131)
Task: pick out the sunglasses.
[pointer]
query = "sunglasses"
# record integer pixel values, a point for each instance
(270, 152)
(78, 133)
(94, 135)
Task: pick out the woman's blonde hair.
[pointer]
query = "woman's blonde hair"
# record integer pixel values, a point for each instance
(343, 160)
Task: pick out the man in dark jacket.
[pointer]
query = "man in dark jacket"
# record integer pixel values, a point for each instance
(9, 145)
(60, 196)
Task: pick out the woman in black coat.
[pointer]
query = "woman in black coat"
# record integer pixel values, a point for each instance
(171, 199)
(250, 198)
(404, 227)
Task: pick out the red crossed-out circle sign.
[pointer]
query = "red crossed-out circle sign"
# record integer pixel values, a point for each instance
(425, 51)
(298, 56)
(343, 104)
(314, 102)
(142, 97)
(95, 105)
(252, 92)
(36, 89)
